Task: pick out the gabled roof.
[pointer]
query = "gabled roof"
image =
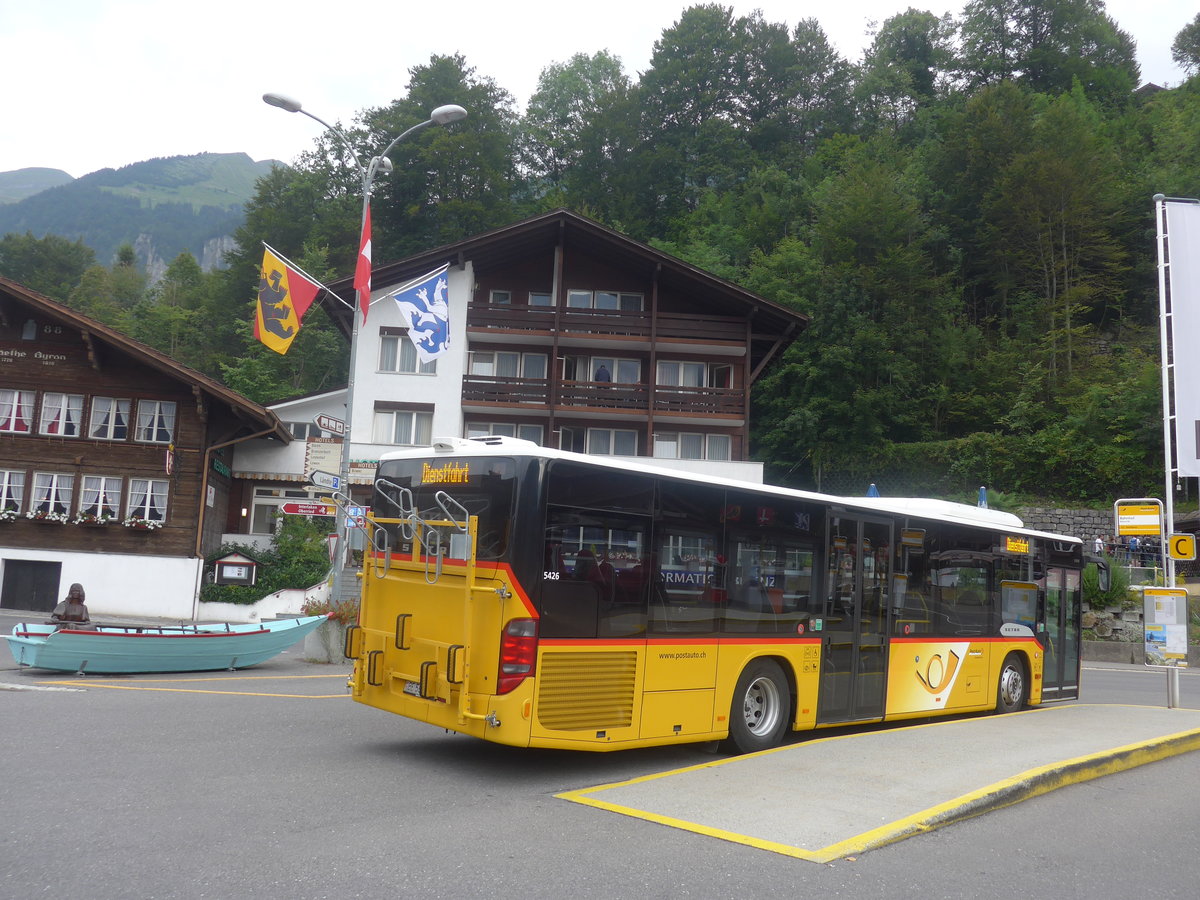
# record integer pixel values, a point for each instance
(97, 336)
(542, 233)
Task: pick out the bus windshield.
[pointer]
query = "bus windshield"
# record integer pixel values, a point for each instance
(483, 486)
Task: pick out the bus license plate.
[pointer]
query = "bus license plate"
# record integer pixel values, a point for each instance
(413, 688)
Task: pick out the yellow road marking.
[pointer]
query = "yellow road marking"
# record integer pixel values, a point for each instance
(131, 687)
(150, 684)
(220, 678)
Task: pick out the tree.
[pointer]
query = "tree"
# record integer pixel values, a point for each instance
(169, 317)
(1046, 44)
(50, 265)
(448, 182)
(693, 133)
(128, 281)
(1056, 212)
(1186, 48)
(977, 137)
(908, 64)
(818, 92)
(562, 130)
(93, 297)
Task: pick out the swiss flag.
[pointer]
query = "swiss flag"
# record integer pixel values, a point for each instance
(362, 271)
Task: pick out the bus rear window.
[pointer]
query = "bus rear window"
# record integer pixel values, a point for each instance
(484, 486)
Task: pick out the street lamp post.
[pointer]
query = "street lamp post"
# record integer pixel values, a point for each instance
(380, 164)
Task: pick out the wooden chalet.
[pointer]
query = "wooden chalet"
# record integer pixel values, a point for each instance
(549, 301)
(115, 463)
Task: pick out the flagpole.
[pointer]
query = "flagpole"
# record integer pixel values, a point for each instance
(442, 115)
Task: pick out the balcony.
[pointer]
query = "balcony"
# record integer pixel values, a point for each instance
(609, 323)
(499, 390)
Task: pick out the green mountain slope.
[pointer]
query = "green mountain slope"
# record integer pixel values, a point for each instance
(22, 183)
(161, 206)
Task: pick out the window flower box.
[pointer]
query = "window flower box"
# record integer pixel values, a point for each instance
(46, 516)
(9, 515)
(137, 523)
(93, 519)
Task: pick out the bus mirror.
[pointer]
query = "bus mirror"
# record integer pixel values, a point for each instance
(1103, 574)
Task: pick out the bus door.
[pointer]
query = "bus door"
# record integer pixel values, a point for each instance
(1060, 634)
(854, 626)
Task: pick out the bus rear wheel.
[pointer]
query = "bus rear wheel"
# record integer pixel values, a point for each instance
(1012, 692)
(761, 708)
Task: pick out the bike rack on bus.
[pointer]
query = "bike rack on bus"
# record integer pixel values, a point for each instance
(431, 536)
(414, 527)
(386, 550)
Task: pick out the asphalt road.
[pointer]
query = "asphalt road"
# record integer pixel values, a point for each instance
(272, 783)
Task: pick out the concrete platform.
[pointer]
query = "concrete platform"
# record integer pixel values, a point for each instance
(827, 798)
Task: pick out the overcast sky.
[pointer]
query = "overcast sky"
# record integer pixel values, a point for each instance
(90, 84)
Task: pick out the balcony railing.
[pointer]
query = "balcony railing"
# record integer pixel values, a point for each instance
(605, 395)
(692, 400)
(723, 329)
(503, 389)
(632, 397)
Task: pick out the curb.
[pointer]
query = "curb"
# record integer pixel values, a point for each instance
(1025, 786)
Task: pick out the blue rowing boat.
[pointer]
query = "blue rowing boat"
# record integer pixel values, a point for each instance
(128, 649)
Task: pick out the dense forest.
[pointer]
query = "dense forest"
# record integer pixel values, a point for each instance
(965, 214)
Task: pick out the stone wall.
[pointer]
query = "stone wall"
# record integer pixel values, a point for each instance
(1085, 524)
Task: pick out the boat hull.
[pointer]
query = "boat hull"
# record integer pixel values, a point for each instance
(131, 649)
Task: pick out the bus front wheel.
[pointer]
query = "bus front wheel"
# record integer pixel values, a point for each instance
(761, 708)
(1013, 690)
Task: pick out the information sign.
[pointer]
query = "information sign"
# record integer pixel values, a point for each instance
(304, 508)
(330, 424)
(325, 480)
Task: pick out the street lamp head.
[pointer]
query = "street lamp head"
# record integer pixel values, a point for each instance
(284, 102)
(444, 115)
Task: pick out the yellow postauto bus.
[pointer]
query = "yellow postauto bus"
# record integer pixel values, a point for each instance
(540, 598)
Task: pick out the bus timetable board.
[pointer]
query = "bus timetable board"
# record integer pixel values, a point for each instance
(1138, 517)
(1166, 615)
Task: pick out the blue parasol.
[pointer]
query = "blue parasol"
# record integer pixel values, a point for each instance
(982, 504)
(872, 491)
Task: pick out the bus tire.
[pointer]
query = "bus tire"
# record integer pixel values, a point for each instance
(1012, 690)
(761, 708)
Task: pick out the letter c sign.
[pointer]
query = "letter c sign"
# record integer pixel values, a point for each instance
(1182, 546)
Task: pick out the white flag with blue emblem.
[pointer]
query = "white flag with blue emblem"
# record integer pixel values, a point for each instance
(425, 309)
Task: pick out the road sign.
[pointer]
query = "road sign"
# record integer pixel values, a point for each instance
(302, 508)
(330, 424)
(325, 480)
(1182, 546)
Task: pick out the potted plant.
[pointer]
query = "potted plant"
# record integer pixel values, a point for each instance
(9, 514)
(328, 642)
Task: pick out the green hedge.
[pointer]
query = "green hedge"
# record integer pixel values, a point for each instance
(298, 558)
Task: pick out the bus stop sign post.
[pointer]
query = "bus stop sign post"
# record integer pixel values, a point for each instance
(1164, 610)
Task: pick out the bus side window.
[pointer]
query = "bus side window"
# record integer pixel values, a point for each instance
(686, 563)
(592, 580)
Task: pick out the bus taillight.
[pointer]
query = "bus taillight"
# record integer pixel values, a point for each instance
(518, 653)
